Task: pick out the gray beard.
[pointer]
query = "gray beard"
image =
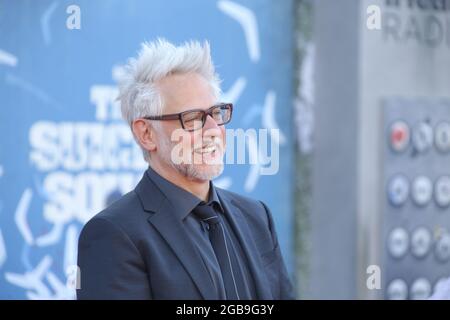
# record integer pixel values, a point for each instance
(190, 170)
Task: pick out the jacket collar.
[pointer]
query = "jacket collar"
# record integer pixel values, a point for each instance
(165, 220)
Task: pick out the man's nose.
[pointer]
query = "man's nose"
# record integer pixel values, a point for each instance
(211, 126)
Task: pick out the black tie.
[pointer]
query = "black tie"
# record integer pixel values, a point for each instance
(218, 241)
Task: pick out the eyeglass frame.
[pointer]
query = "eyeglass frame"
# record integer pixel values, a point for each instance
(179, 116)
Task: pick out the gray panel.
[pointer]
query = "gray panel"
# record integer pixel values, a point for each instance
(333, 251)
(412, 214)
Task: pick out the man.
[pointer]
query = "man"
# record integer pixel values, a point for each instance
(176, 235)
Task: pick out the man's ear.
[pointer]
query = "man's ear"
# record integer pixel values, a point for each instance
(145, 134)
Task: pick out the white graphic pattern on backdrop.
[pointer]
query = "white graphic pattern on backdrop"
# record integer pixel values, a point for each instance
(40, 281)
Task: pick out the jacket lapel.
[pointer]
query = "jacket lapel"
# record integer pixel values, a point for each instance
(171, 229)
(240, 227)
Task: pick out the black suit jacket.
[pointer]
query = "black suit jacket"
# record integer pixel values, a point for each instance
(138, 249)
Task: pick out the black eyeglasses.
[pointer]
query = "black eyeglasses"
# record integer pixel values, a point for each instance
(195, 119)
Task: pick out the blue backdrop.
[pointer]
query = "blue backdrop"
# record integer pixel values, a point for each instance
(65, 153)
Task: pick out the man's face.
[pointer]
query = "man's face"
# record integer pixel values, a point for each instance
(202, 150)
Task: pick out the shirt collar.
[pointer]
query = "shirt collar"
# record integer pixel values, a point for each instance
(214, 198)
(183, 201)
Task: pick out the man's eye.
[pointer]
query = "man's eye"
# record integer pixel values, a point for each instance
(192, 117)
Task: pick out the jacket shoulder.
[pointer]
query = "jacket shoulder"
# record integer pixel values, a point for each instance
(240, 199)
(120, 208)
(125, 214)
(254, 210)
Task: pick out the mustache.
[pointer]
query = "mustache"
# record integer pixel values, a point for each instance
(214, 142)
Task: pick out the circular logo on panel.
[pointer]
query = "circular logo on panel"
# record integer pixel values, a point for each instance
(398, 190)
(398, 242)
(421, 240)
(442, 136)
(442, 191)
(422, 190)
(420, 289)
(399, 136)
(422, 137)
(442, 249)
(397, 290)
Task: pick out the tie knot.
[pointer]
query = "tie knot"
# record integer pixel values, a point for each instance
(206, 213)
